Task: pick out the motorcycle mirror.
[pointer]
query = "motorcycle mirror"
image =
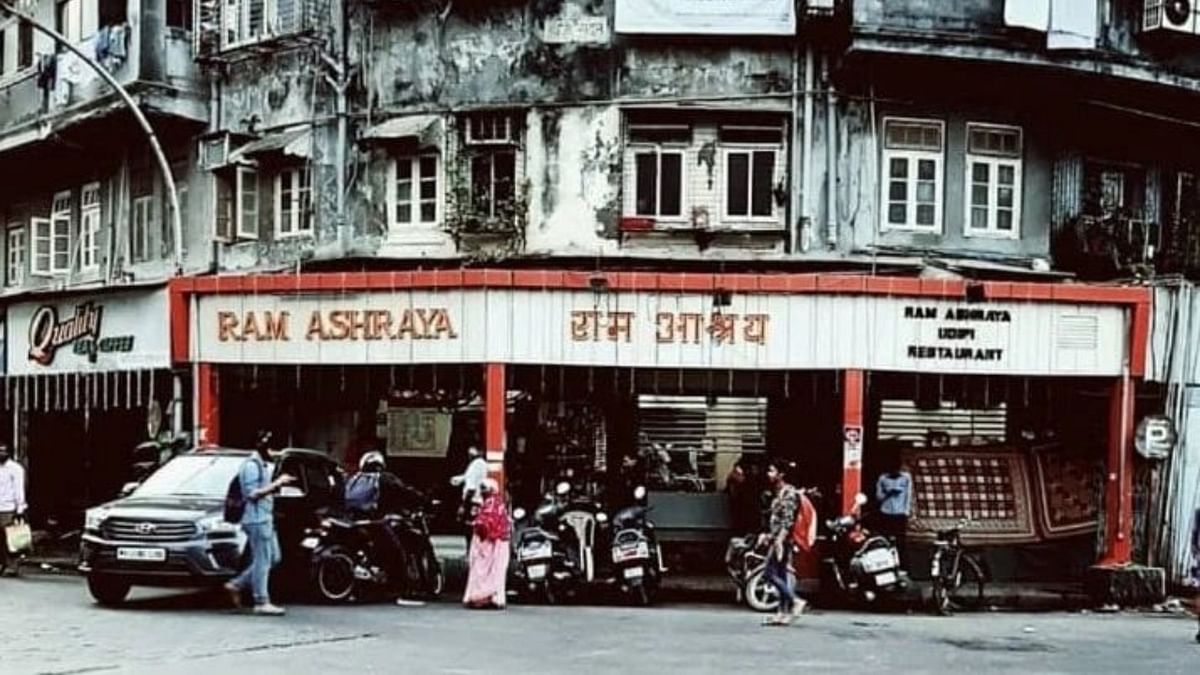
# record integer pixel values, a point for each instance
(563, 488)
(860, 499)
(519, 513)
(639, 492)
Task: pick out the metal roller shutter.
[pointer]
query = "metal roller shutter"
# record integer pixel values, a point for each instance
(901, 419)
(691, 442)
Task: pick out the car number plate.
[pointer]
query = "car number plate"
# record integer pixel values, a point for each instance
(885, 579)
(537, 572)
(146, 554)
(633, 572)
(309, 542)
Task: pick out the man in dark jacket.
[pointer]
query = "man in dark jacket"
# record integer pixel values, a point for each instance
(374, 493)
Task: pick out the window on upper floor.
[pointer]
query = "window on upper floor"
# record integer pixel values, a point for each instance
(293, 202)
(245, 22)
(993, 181)
(15, 255)
(52, 238)
(237, 208)
(414, 199)
(912, 168)
(753, 156)
(16, 48)
(142, 219)
(142, 235)
(77, 20)
(89, 228)
(715, 170)
(492, 144)
(657, 152)
(179, 14)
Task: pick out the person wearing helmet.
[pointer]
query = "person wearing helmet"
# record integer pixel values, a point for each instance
(374, 493)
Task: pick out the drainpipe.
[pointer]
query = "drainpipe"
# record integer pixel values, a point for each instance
(163, 166)
(804, 241)
(831, 234)
(340, 82)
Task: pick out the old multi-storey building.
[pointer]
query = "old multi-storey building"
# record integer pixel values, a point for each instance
(650, 235)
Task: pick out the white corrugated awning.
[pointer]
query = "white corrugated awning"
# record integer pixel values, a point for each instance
(295, 143)
(425, 129)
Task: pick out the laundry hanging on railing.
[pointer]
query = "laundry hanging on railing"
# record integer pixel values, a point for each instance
(1068, 24)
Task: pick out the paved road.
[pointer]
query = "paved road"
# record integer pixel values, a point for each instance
(50, 626)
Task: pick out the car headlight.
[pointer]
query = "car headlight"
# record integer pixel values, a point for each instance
(216, 524)
(93, 518)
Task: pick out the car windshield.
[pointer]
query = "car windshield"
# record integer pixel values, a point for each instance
(192, 475)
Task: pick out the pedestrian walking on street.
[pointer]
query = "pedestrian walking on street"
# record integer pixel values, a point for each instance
(258, 521)
(784, 504)
(471, 480)
(12, 504)
(487, 559)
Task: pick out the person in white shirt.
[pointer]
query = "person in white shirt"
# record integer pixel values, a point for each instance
(12, 501)
(471, 481)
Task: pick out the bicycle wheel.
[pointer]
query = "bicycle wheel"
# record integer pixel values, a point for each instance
(965, 590)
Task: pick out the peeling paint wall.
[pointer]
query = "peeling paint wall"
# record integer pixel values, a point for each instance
(965, 26)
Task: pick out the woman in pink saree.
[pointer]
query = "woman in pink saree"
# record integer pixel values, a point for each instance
(487, 560)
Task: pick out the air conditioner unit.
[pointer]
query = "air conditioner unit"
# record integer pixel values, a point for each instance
(1176, 16)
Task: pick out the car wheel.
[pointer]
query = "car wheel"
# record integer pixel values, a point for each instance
(108, 592)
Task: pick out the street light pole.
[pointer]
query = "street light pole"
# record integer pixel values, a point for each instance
(163, 165)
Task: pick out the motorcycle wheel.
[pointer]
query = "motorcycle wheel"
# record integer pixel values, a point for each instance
(761, 596)
(335, 576)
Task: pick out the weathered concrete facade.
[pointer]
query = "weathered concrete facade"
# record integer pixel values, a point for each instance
(1107, 185)
(102, 220)
(598, 144)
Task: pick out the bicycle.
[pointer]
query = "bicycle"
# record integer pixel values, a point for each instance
(958, 577)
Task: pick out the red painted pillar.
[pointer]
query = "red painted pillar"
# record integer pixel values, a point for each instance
(495, 407)
(208, 405)
(853, 397)
(1118, 492)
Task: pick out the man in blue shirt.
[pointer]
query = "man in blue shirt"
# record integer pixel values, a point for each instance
(258, 522)
(893, 491)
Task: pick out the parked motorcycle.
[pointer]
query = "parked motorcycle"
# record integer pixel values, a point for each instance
(347, 563)
(636, 555)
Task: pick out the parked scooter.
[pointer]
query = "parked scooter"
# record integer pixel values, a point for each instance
(636, 555)
(347, 563)
(863, 565)
(541, 555)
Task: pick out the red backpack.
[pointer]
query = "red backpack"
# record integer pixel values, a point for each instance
(804, 528)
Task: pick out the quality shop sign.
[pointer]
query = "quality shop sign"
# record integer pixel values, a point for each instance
(81, 333)
(106, 333)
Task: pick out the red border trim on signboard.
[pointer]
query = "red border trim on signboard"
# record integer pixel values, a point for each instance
(1135, 297)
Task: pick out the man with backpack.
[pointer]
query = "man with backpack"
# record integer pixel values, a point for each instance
(252, 493)
(784, 506)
